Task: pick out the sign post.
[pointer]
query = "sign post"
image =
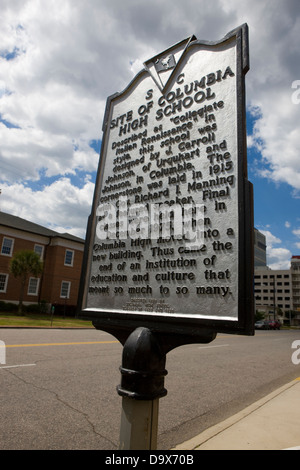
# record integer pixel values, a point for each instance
(169, 249)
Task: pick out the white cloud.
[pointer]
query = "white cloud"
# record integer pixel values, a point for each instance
(275, 53)
(61, 206)
(70, 55)
(297, 232)
(277, 258)
(270, 238)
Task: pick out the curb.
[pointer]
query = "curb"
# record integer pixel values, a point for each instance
(205, 436)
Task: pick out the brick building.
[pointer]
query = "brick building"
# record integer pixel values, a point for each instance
(61, 254)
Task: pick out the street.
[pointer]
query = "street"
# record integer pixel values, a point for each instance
(58, 387)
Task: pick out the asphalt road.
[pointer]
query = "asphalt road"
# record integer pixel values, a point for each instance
(58, 387)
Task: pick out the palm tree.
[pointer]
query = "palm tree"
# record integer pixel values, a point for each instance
(23, 264)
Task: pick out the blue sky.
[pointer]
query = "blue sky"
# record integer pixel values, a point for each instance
(276, 208)
(59, 61)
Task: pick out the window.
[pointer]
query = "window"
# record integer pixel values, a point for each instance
(65, 290)
(33, 286)
(7, 246)
(261, 245)
(3, 282)
(69, 256)
(39, 250)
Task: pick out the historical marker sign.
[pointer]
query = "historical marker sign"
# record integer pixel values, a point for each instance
(170, 234)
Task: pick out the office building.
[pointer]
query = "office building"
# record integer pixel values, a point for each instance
(260, 249)
(295, 272)
(273, 291)
(277, 292)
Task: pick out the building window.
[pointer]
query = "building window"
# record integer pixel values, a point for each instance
(39, 250)
(7, 246)
(3, 282)
(69, 257)
(65, 290)
(33, 286)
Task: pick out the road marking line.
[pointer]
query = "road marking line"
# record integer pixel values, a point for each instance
(219, 346)
(58, 344)
(18, 365)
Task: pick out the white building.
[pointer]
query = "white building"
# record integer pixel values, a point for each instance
(295, 271)
(260, 249)
(273, 291)
(277, 292)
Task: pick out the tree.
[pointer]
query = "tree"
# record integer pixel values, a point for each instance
(23, 264)
(259, 315)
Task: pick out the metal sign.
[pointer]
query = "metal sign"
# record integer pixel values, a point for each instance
(169, 243)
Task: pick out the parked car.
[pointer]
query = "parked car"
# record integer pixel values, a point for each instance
(262, 325)
(274, 325)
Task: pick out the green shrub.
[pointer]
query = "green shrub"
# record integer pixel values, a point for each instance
(8, 307)
(41, 307)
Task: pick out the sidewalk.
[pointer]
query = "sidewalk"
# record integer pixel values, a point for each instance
(272, 423)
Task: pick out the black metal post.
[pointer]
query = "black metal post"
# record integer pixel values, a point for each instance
(142, 384)
(143, 367)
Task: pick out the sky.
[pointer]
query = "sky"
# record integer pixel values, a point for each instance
(61, 59)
